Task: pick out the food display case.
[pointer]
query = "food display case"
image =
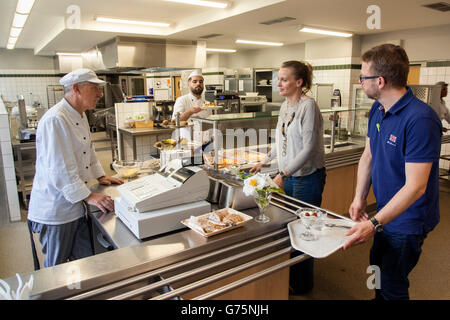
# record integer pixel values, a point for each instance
(236, 130)
(344, 127)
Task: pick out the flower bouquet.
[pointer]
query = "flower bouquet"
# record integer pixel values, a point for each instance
(261, 187)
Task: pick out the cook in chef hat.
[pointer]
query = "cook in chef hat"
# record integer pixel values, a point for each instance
(195, 73)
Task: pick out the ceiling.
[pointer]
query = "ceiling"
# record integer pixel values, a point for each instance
(46, 31)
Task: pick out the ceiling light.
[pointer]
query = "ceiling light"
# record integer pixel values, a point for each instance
(9, 46)
(12, 40)
(15, 32)
(125, 21)
(24, 6)
(220, 50)
(68, 54)
(260, 43)
(326, 32)
(19, 20)
(214, 4)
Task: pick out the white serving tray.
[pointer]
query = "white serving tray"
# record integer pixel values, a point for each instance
(329, 240)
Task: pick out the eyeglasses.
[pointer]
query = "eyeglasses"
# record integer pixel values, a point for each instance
(361, 78)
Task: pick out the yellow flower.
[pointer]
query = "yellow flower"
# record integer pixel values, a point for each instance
(253, 182)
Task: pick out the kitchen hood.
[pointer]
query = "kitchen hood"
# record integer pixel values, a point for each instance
(127, 54)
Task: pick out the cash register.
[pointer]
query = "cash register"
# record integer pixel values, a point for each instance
(156, 203)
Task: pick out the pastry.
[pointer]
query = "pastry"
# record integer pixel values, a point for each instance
(165, 122)
(218, 215)
(233, 219)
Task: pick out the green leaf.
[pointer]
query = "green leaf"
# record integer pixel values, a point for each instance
(273, 189)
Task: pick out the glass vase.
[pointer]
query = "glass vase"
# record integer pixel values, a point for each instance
(262, 199)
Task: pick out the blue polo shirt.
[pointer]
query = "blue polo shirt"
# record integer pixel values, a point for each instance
(409, 132)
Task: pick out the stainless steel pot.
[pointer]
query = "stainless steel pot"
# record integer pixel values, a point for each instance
(233, 196)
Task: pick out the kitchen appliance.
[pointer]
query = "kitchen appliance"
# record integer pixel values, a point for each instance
(163, 110)
(230, 80)
(211, 91)
(336, 98)
(28, 120)
(132, 85)
(232, 196)
(214, 189)
(245, 80)
(155, 222)
(172, 185)
(430, 94)
(229, 100)
(251, 103)
(322, 93)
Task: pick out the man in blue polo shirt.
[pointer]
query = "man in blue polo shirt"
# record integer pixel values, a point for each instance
(401, 161)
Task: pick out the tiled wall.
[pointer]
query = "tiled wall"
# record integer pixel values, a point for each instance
(144, 144)
(8, 165)
(32, 84)
(342, 72)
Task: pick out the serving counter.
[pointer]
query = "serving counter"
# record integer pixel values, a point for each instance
(245, 263)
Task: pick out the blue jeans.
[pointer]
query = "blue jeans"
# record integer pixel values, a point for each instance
(308, 189)
(396, 254)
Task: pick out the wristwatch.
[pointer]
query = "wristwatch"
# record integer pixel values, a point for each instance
(378, 227)
(283, 176)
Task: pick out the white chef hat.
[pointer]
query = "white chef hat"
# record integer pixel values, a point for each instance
(80, 75)
(195, 73)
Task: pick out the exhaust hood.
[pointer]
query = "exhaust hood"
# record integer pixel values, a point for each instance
(126, 54)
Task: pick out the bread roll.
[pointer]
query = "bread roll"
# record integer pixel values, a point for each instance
(165, 122)
(183, 123)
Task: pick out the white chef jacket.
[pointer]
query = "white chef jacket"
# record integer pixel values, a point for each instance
(65, 163)
(185, 102)
(443, 111)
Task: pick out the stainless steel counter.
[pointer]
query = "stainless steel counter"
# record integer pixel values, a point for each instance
(145, 131)
(134, 257)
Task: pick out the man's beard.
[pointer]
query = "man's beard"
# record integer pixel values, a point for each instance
(197, 91)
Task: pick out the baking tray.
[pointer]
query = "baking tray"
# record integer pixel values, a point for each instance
(246, 217)
(329, 239)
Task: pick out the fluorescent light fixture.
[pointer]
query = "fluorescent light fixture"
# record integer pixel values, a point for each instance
(19, 20)
(12, 40)
(68, 54)
(24, 6)
(220, 50)
(326, 32)
(213, 4)
(260, 43)
(9, 46)
(15, 32)
(126, 21)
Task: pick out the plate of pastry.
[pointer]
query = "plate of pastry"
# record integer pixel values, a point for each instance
(218, 221)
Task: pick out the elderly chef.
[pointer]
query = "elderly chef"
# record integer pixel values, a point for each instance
(65, 163)
(191, 103)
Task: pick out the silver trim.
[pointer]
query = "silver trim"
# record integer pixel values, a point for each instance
(144, 276)
(198, 270)
(253, 277)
